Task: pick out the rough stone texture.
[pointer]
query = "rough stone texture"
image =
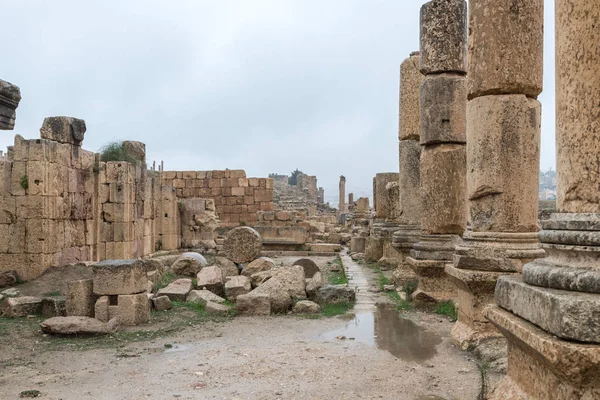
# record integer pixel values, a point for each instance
(381, 203)
(203, 296)
(568, 315)
(253, 304)
(162, 303)
(285, 285)
(577, 111)
(133, 309)
(503, 141)
(325, 247)
(8, 278)
(443, 187)
(259, 278)
(63, 130)
(306, 307)
(505, 47)
(227, 266)
(216, 308)
(310, 267)
(443, 105)
(10, 96)
(373, 249)
(135, 149)
(542, 366)
(357, 244)
(177, 290)
(101, 312)
(236, 286)
(434, 285)
(538, 273)
(242, 244)
(21, 306)
(410, 182)
(342, 189)
(80, 298)
(189, 264)
(313, 284)
(362, 206)
(258, 265)
(393, 199)
(211, 278)
(410, 80)
(114, 277)
(77, 326)
(54, 307)
(335, 294)
(443, 36)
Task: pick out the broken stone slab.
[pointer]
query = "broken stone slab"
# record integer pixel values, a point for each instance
(259, 278)
(10, 97)
(204, 296)
(101, 310)
(310, 267)
(78, 326)
(313, 284)
(228, 267)
(324, 247)
(136, 149)
(189, 264)
(54, 307)
(8, 278)
(253, 304)
(211, 278)
(115, 277)
(177, 290)
(133, 309)
(568, 315)
(63, 130)
(539, 273)
(10, 292)
(236, 286)
(242, 244)
(443, 37)
(306, 307)
(259, 265)
(216, 308)
(21, 306)
(80, 298)
(335, 294)
(162, 303)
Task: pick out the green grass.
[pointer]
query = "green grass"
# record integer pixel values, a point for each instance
(335, 309)
(165, 280)
(399, 302)
(114, 151)
(337, 277)
(448, 309)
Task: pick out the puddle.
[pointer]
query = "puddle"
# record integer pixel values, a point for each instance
(385, 329)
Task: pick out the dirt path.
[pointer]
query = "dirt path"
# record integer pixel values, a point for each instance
(281, 357)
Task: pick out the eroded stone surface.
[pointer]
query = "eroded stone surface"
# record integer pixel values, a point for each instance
(253, 304)
(177, 290)
(63, 130)
(310, 267)
(10, 96)
(114, 277)
(242, 244)
(410, 80)
(189, 263)
(236, 286)
(76, 326)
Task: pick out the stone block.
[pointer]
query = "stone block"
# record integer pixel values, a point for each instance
(503, 139)
(444, 36)
(410, 81)
(114, 277)
(568, 315)
(162, 303)
(358, 244)
(324, 247)
(253, 304)
(443, 105)
(443, 187)
(242, 244)
(506, 45)
(236, 286)
(101, 309)
(10, 97)
(177, 290)
(133, 309)
(216, 308)
(54, 307)
(409, 182)
(80, 298)
(203, 296)
(21, 306)
(211, 279)
(63, 130)
(77, 326)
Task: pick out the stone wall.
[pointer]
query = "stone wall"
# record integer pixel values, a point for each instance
(237, 199)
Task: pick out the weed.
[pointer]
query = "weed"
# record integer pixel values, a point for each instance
(24, 182)
(337, 277)
(29, 394)
(447, 308)
(334, 309)
(54, 293)
(114, 151)
(168, 346)
(165, 280)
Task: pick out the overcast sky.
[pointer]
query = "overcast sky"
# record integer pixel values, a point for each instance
(266, 86)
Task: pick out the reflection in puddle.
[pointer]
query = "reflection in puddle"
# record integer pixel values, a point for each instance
(385, 329)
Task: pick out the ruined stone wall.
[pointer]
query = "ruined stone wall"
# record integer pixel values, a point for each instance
(237, 199)
(300, 197)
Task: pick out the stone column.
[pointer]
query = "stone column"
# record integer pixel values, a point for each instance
(550, 314)
(350, 199)
(442, 110)
(503, 142)
(10, 96)
(409, 213)
(342, 206)
(360, 225)
(380, 238)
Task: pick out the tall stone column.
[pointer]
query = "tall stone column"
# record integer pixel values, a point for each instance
(442, 105)
(503, 144)
(342, 206)
(550, 315)
(379, 244)
(360, 225)
(409, 213)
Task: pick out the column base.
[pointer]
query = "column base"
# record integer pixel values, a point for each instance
(475, 290)
(543, 367)
(434, 286)
(403, 241)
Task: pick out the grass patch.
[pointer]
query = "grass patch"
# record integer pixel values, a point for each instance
(337, 277)
(335, 309)
(54, 293)
(448, 309)
(165, 280)
(114, 151)
(400, 303)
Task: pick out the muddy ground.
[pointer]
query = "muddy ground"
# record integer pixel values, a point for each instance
(182, 354)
